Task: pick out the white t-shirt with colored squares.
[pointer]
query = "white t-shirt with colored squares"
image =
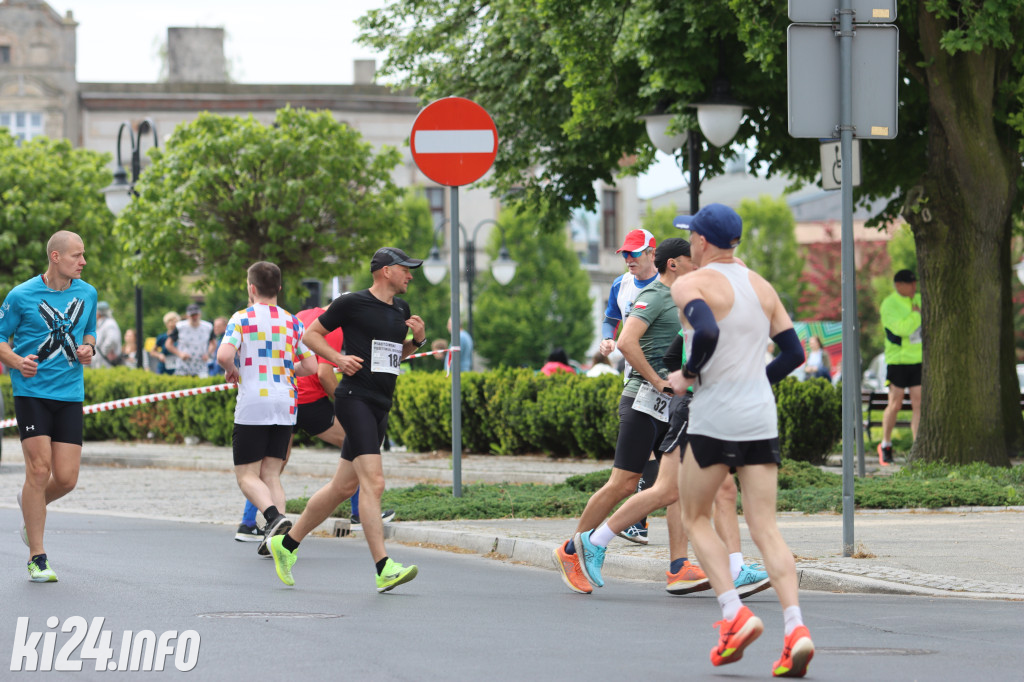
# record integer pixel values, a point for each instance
(269, 344)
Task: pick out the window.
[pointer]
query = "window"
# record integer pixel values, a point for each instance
(5, 54)
(435, 197)
(23, 125)
(609, 219)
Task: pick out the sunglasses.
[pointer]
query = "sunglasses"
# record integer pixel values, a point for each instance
(634, 254)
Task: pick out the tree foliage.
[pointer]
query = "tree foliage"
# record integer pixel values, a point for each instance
(46, 186)
(567, 82)
(769, 245)
(546, 305)
(306, 193)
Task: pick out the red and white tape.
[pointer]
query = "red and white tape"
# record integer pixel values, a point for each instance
(140, 400)
(183, 393)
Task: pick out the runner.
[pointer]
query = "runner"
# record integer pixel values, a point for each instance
(47, 334)
(375, 323)
(643, 420)
(734, 426)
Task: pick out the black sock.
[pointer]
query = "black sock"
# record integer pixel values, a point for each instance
(381, 564)
(40, 561)
(288, 543)
(570, 547)
(270, 514)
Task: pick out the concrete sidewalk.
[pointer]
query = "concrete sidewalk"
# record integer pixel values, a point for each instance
(977, 553)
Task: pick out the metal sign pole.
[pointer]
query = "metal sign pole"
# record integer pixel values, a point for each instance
(851, 402)
(457, 354)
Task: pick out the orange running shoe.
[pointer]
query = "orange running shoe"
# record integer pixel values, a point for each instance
(735, 636)
(572, 574)
(796, 654)
(690, 578)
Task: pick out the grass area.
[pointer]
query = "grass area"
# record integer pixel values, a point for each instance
(802, 487)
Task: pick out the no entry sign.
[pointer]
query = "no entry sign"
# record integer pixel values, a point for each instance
(454, 141)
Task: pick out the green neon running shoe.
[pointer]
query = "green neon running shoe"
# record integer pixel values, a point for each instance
(393, 575)
(39, 571)
(283, 559)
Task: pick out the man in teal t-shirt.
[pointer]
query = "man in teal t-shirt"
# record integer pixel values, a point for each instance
(901, 320)
(47, 334)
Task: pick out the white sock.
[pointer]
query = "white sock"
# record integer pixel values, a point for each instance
(886, 444)
(602, 536)
(793, 618)
(730, 603)
(736, 564)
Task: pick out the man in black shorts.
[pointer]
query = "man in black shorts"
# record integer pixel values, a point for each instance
(734, 426)
(375, 323)
(47, 334)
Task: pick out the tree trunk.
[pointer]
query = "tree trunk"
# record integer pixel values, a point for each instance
(970, 409)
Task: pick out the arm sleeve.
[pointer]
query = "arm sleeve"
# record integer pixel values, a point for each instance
(705, 334)
(673, 357)
(608, 327)
(612, 309)
(791, 355)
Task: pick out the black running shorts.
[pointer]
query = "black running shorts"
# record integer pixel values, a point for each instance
(734, 454)
(904, 376)
(316, 417)
(639, 435)
(365, 425)
(253, 442)
(58, 419)
(679, 416)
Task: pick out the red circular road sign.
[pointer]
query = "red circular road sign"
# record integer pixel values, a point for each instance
(454, 141)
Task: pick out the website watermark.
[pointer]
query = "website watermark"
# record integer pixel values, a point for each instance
(88, 643)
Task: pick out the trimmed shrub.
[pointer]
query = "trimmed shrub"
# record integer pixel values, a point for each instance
(810, 418)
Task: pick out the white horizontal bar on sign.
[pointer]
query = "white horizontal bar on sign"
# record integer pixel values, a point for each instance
(454, 141)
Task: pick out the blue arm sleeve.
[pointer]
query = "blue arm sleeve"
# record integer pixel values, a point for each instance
(791, 355)
(608, 328)
(705, 334)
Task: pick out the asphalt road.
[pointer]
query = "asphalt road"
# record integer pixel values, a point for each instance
(464, 618)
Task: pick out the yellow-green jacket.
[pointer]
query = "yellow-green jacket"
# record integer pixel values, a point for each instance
(902, 327)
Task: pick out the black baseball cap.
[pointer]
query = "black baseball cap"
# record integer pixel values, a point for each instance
(391, 255)
(673, 247)
(905, 276)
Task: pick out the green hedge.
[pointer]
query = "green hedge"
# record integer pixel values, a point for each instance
(515, 411)
(505, 412)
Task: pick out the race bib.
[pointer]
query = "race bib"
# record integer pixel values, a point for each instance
(386, 357)
(649, 401)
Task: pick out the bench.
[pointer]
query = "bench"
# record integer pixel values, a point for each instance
(876, 402)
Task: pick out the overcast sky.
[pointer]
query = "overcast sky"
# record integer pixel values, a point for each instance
(268, 41)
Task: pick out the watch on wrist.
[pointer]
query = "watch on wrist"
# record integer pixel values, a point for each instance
(419, 344)
(91, 345)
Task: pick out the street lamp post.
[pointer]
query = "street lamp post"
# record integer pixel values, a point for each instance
(119, 194)
(503, 269)
(719, 119)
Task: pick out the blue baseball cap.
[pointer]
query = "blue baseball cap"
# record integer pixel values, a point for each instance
(717, 223)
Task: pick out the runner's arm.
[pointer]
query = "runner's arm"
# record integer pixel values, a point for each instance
(629, 345)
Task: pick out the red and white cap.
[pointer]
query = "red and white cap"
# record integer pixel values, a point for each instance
(638, 240)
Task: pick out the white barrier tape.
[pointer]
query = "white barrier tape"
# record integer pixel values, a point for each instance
(432, 352)
(140, 400)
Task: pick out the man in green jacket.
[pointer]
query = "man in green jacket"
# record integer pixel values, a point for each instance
(901, 320)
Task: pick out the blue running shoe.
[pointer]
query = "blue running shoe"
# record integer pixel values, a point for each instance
(592, 558)
(751, 580)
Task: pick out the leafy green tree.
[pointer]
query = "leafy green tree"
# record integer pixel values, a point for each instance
(546, 305)
(307, 193)
(46, 186)
(769, 245)
(567, 81)
(659, 223)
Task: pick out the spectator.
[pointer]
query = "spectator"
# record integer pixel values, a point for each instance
(558, 361)
(901, 320)
(220, 325)
(599, 365)
(108, 338)
(439, 361)
(465, 346)
(130, 351)
(166, 362)
(193, 343)
(818, 363)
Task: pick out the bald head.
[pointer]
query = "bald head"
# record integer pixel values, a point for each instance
(61, 242)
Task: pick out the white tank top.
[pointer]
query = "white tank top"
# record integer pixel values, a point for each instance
(734, 400)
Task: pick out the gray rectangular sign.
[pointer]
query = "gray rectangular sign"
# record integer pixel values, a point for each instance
(813, 72)
(821, 11)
